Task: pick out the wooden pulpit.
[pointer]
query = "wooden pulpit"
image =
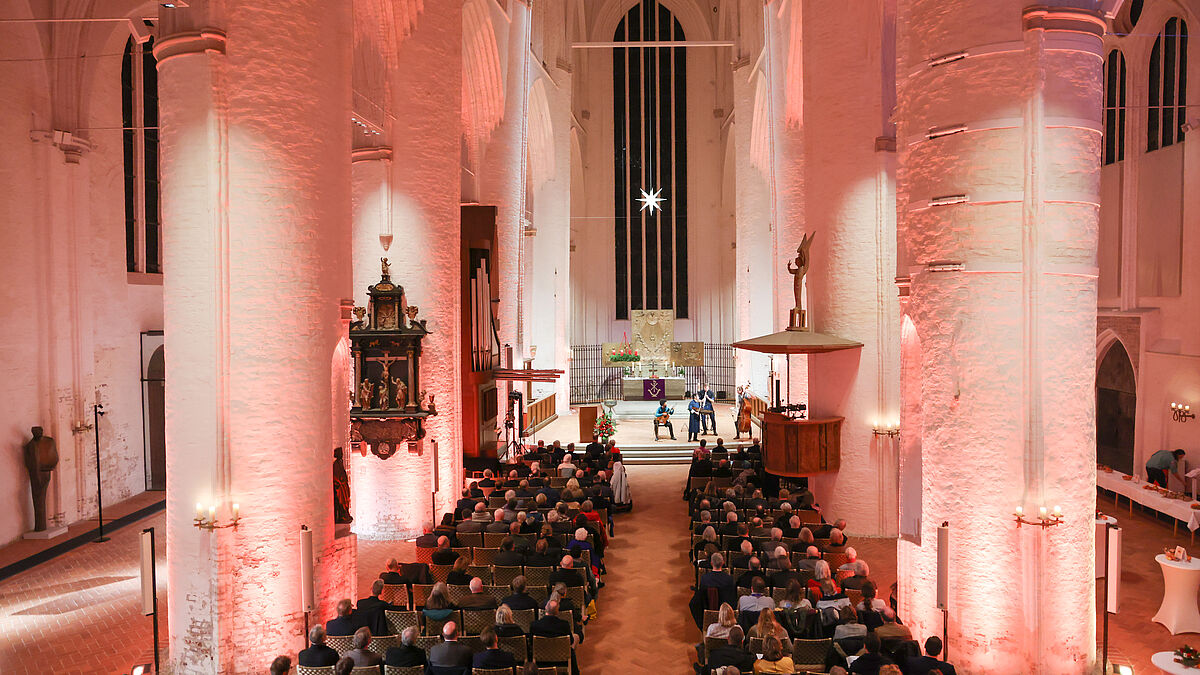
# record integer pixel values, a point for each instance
(587, 422)
(801, 447)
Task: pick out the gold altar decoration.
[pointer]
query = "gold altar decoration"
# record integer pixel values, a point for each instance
(653, 332)
(687, 354)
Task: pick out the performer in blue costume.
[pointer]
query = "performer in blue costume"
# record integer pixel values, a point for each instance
(694, 418)
(708, 414)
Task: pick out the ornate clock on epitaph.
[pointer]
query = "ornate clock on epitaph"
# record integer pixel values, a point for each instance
(389, 407)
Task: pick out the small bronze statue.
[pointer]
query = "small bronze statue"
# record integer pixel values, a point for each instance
(421, 400)
(41, 456)
(401, 392)
(385, 270)
(364, 393)
(432, 407)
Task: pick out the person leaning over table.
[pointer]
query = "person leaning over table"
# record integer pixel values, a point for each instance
(1161, 462)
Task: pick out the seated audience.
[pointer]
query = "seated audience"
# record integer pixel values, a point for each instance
(370, 610)
(767, 626)
(450, 653)
(551, 625)
(567, 574)
(922, 665)
(755, 571)
(343, 624)
(731, 654)
(427, 539)
(858, 569)
(360, 655)
(773, 659)
(444, 555)
(872, 660)
(477, 599)
(407, 653)
(794, 597)
(758, 600)
(519, 599)
(726, 619)
(508, 555)
(506, 625)
(492, 656)
(437, 605)
(891, 630)
(458, 574)
(282, 665)
(392, 575)
(318, 653)
(499, 524)
(541, 556)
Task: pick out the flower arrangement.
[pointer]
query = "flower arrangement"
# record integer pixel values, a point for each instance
(625, 354)
(604, 427)
(1188, 657)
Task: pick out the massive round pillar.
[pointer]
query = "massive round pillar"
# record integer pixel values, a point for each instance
(418, 198)
(254, 102)
(997, 191)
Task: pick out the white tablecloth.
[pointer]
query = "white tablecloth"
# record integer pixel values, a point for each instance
(1165, 661)
(1178, 611)
(1132, 489)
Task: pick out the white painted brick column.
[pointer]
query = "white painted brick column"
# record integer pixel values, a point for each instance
(255, 104)
(1004, 351)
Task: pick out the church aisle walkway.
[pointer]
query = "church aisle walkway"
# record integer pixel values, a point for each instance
(643, 624)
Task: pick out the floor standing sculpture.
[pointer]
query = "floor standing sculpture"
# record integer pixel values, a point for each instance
(41, 456)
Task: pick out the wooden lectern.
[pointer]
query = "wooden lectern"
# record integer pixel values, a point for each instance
(587, 422)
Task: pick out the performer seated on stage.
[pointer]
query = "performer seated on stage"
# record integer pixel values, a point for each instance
(662, 418)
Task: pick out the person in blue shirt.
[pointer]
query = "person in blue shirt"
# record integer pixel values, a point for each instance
(661, 419)
(694, 418)
(1160, 463)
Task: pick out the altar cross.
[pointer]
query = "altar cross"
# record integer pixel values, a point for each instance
(386, 361)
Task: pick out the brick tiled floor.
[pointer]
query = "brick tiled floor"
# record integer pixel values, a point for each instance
(81, 612)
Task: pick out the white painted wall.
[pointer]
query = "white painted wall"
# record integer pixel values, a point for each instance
(71, 319)
(711, 256)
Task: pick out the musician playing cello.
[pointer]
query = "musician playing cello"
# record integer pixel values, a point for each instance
(662, 418)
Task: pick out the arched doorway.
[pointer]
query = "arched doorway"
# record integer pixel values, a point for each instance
(1116, 401)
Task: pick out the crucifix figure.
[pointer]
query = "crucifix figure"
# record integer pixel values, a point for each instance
(386, 362)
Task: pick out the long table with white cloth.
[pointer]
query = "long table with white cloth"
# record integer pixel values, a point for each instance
(1134, 491)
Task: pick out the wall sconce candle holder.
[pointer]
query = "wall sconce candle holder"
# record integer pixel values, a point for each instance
(1045, 518)
(889, 430)
(1181, 412)
(207, 520)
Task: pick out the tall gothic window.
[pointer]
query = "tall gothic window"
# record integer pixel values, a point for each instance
(1168, 86)
(650, 118)
(1114, 107)
(139, 119)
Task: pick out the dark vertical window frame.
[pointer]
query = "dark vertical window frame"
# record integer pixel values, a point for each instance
(1114, 107)
(650, 104)
(680, 200)
(129, 161)
(150, 158)
(139, 136)
(1167, 80)
(621, 177)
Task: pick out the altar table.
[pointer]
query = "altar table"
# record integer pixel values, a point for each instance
(652, 388)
